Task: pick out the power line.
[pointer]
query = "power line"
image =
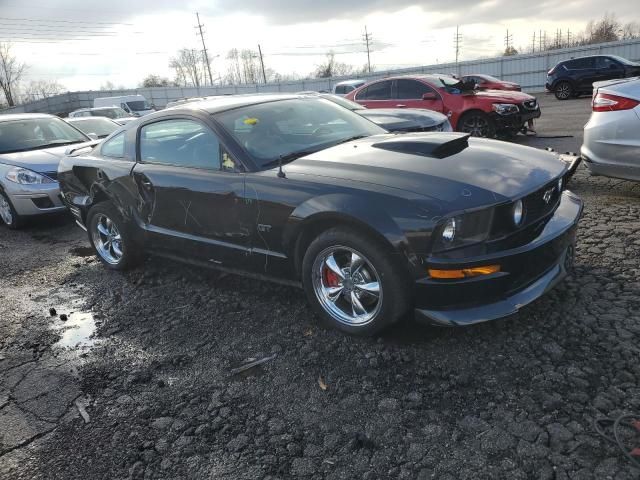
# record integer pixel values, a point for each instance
(53, 20)
(367, 39)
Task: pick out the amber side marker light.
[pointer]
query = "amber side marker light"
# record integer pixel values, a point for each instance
(464, 272)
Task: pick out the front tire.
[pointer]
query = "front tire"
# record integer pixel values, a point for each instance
(478, 124)
(112, 238)
(8, 214)
(563, 91)
(354, 283)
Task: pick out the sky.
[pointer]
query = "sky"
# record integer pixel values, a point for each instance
(84, 44)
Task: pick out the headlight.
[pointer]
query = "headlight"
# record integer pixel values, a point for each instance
(449, 231)
(462, 230)
(518, 213)
(26, 177)
(505, 108)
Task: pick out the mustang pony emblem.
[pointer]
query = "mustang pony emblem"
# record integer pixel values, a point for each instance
(548, 194)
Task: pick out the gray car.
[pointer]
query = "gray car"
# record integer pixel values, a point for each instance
(31, 146)
(612, 136)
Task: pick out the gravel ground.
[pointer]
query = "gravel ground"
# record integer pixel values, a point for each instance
(151, 394)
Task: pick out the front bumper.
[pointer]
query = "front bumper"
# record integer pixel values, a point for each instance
(527, 272)
(514, 121)
(39, 199)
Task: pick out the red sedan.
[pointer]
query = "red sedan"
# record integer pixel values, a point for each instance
(487, 82)
(482, 113)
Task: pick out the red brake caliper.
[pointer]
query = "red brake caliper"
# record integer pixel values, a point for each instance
(330, 278)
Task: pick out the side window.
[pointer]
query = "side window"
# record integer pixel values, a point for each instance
(605, 63)
(580, 63)
(377, 91)
(114, 147)
(412, 89)
(341, 89)
(184, 143)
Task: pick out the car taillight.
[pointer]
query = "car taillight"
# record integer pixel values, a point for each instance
(604, 102)
(550, 72)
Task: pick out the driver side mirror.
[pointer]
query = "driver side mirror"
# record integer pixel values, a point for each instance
(430, 96)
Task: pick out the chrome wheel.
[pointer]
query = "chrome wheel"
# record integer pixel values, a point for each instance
(5, 211)
(347, 285)
(107, 239)
(563, 91)
(476, 125)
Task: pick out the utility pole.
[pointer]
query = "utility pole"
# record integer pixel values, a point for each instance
(533, 43)
(264, 75)
(204, 50)
(568, 38)
(457, 39)
(508, 42)
(367, 40)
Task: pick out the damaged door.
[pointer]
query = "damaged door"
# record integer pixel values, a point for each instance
(191, 193)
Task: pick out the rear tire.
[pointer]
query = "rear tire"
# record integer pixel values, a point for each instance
(478, 124)
(354, 283)
(563, 91)
(8, 214)
(112, 238)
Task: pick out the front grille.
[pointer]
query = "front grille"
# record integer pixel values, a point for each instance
(541, 202)
(51, 175)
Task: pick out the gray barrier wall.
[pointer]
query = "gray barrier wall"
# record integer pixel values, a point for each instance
(528, 70)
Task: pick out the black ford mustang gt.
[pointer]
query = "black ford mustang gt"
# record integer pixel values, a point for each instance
(296, 188)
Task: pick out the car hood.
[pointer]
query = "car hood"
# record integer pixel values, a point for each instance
(403, 117)
(42, 160)
(504, 96)
(485, 172)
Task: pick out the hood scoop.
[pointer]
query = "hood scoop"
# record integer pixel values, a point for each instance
(434, 145)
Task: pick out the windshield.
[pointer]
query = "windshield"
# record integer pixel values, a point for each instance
(114, 112)
(343, 102)
(623, 60)
(99, 126)
(269, 131)
(34, 133)
(139, 105)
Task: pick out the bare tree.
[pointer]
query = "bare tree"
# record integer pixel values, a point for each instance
(604, 30)
(188, 66)
(510, 50)
(38, 89)
(630, 30)
(332, 68)
(11, 71)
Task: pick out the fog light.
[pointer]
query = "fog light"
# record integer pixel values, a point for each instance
(518, 213)
(449, 232)
(464, 272)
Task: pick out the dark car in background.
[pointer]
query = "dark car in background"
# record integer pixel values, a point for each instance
(396, 119)
(482, 113)
(487, 82)
(575, 77)
(298, 189)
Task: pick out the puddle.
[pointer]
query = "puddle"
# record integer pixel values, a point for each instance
(76, 331)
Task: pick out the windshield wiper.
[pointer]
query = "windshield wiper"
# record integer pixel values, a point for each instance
(350, 139)
(287, 158)
(58, 144)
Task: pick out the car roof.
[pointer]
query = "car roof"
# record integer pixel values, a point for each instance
(88, 119)
(351, 82)
(229, 102)
(24, 116)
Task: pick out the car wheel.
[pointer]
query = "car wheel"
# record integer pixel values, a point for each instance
(354, 283)
(478, 124)
(563, 91)
(8, 214)
(112, 238)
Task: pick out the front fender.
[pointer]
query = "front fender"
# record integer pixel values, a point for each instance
(373, 215)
